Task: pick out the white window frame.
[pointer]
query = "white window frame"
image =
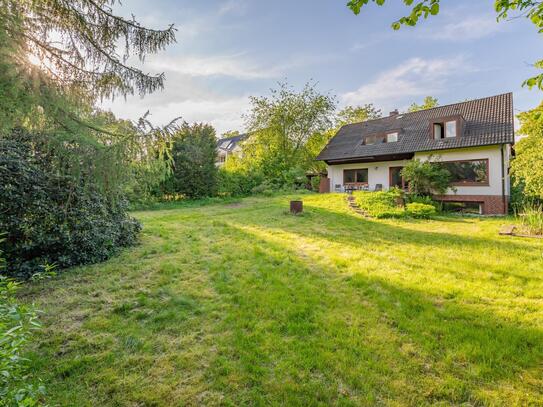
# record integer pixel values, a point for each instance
(393, 135)
(449, 134)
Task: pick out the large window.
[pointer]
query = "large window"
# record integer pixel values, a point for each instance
(395, 177)
(468, 172)
(358, 176)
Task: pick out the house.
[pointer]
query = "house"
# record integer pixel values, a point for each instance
(227, 147)
(472, 139)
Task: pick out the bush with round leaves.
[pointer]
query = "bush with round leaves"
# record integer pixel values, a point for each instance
(50, 218)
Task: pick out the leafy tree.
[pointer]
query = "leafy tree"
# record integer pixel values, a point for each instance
(194, 155)
(527, 166)
(426, 178)
(530, 9)
(348, 115)
(57, 58)
(357, 114)
(86, 57)
(284, 128)
(75, 49)
(428, 103)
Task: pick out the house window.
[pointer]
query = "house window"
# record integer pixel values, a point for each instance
(450, 129)
(468, 172)
(357, 176)
(445, 129)
(395, 178)
(374, 139)
(392, 137)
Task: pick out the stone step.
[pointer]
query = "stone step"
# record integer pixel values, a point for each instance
(351, 202)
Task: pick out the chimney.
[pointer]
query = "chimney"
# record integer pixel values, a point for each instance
(394, 112)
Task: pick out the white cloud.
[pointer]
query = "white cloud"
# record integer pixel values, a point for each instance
(198, 105)
(236, 66)
(412, 78)
(463, 28)
(223, 113)
(238, 7)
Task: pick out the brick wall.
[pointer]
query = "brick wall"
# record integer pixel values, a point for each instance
(492, 204)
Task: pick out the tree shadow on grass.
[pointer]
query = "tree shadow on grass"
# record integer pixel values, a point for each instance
(458, 351)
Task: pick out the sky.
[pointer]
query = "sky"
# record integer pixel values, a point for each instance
(229, 50)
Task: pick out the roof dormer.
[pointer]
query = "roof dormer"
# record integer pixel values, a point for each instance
(391, 136)
(447, 127)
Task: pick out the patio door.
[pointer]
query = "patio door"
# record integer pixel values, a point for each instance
(395, 178)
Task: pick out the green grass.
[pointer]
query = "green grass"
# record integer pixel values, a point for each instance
(244, 304)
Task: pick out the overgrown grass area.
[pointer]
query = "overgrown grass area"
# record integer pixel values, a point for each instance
(244, 304)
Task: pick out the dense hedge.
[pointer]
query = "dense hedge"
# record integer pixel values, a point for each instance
(48, 218)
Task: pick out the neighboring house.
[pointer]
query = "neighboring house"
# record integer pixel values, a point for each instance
(473, 139)
(226, 147)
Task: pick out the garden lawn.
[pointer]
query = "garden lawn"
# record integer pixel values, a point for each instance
(244, 304)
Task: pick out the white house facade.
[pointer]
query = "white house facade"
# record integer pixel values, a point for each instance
(472, 139)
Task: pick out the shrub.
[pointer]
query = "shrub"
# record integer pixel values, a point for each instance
(54, 219)
(426, 200)
(194, 154)
(518, 196)
(426, 178)
(236, 182)
(531, 219)
(292, 179)
(382, 204)
(420, 210)
(17, 326)
(315, 183)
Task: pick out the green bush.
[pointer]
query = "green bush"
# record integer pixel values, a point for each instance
(237, 182)
(17, 326)
(53, 219)
(420, 210)
(194, 152)
(315, 184)
(426, 178)
(382, 204)
(531, 218)
(387, 204)
(426, 200)
(293, 179)
(518, 198)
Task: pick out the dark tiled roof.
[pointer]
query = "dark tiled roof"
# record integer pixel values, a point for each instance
(229, 143)
(487, 121)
